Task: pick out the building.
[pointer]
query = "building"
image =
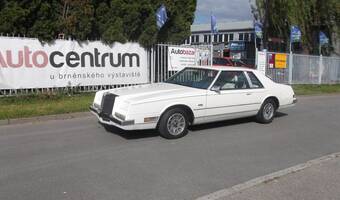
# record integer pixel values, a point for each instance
(234, 40)
(227, 31)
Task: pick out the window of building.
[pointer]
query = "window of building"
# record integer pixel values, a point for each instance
(240, 36)
(252, 37)
(192, 39)
(220, 38)
(246, 36)
(231, 37)
(225, 37)
(197, 38)
(215, 38)
(205, 38)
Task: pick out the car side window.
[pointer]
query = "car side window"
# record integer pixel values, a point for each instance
(255, 82)
(231, 80)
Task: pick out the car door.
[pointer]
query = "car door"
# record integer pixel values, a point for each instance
(232, 96)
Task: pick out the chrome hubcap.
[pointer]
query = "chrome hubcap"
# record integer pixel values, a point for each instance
(176, 124)
(268, 111)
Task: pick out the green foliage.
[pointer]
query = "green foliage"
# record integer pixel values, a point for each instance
(110, 20)
(311, 16)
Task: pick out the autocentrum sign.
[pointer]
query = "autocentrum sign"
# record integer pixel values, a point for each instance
(26, 63)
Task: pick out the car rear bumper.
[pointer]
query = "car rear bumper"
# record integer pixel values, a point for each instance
(122, 124)
(289, 105)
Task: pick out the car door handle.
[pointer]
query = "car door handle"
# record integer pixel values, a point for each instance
(248, 93)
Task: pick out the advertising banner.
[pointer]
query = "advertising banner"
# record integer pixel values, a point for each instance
(26, 63)
(261, 61)
(280, 61)
(181, 57)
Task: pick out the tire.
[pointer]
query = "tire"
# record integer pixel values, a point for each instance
(173, 124)
(267, 112)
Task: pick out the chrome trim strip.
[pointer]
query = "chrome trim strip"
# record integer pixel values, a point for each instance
(228, 106)
(225, 114)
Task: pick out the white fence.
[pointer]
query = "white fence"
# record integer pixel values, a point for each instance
(306, 69)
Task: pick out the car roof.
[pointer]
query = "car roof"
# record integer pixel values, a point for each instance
(217, 67)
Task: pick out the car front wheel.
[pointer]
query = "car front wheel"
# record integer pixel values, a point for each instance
(267, 112)
(173, 124)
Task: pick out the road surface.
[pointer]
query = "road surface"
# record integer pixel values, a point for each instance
(78, 159)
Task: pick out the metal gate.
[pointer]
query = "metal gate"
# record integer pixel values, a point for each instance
(159, 60)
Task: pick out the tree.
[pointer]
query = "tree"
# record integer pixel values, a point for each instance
(312, 16)
(109, 20)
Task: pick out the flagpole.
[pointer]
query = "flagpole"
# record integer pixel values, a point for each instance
(211, 38)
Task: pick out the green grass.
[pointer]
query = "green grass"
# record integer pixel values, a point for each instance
(316, 89)
(37, 105)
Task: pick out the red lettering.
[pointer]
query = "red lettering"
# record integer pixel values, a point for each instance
(10, 59)
(44, 59)
(27, 56)
(2, 61)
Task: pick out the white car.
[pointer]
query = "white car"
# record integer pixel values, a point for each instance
(194, 95)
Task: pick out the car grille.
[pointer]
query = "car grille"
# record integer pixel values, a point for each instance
(107, 104)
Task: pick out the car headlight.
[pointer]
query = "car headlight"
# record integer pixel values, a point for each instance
(120, 116)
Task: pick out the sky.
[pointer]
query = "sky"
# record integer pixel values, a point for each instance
(224, 10)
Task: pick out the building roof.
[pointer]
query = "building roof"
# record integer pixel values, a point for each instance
(223, 26)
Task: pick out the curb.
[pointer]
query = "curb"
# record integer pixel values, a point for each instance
(44, 118)
(267, 178)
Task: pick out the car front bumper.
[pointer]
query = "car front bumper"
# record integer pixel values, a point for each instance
(122, 124)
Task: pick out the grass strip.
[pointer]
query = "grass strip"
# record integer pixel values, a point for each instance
(38, 105)
(316, 89)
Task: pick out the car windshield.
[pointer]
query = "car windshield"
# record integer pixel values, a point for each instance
(194, 77)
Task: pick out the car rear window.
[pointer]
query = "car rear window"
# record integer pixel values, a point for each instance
(255, 82)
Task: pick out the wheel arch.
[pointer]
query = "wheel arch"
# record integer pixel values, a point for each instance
(186, 108)
(275, 99)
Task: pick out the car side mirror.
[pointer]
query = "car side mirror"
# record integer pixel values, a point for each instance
(216, 89)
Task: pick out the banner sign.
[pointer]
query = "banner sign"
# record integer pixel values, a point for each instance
(323, 39)
(261, 61)
(271, 60)
(26, 63)
(258, 29)
(280, 61)
(295, 34)
(181, 57)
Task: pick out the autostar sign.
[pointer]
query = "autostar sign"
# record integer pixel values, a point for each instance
(26, 63)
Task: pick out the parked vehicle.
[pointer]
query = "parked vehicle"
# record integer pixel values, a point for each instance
(192, 96)
(218, 61)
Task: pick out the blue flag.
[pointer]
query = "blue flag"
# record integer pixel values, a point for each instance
(161, 16)
(323, 39)
(213, 24)
(258, 29)
(295, 34)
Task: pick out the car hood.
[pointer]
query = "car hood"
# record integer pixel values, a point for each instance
(155, 92)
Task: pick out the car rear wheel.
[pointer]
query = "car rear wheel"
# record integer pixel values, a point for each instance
(267, 112)
(173, 124)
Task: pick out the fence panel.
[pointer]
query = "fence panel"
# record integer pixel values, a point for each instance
(306, 69)
(330, 72)
(277, 75)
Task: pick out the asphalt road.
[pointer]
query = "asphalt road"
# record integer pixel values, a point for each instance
(77, 159)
